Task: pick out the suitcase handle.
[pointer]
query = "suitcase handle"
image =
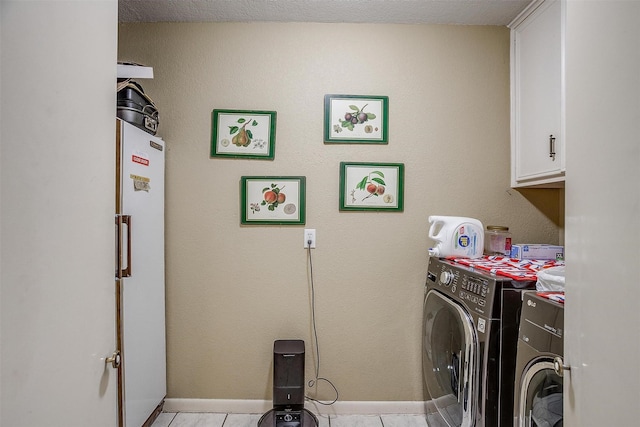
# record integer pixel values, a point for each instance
(153, 113)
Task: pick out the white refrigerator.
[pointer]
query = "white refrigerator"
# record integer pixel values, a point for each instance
(140, 282)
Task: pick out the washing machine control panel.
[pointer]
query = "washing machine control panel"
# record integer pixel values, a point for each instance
(475, 286)
(474, 289)
(447, 278)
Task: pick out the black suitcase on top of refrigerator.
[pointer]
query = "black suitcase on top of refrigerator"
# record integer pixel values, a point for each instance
(135, 107)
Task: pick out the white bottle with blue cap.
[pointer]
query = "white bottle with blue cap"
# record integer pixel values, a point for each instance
(456, 236)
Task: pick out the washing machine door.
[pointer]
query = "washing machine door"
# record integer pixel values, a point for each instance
(450, 351)
(540, 396)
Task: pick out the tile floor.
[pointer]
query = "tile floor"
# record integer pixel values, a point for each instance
(196, 419)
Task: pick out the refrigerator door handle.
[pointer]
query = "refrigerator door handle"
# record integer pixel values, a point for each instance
(120, 271)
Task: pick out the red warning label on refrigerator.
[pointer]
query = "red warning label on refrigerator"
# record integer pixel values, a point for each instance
(140, 158)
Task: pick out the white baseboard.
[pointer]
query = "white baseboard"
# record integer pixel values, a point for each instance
(261, 406)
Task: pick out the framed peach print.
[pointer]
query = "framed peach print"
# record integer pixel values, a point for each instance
(272, 200)
(371, 186)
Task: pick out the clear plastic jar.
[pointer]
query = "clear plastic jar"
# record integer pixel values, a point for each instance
(497, 240)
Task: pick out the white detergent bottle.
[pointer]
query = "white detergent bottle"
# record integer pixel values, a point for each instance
(456, 236)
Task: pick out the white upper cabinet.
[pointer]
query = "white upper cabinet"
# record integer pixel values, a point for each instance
(537, 96)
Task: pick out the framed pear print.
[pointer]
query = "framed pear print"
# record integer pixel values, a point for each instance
(243, 134)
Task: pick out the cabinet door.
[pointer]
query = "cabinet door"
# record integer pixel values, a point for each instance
(537, 96)
(602, 211)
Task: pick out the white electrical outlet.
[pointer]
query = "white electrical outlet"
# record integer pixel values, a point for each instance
(309, 236)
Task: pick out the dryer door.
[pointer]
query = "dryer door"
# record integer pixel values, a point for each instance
(540, 396)
(450, 349)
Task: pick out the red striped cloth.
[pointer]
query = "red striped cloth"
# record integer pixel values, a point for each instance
(553, 296)
(517, 269)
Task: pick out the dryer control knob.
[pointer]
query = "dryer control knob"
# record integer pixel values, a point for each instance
(446, 278)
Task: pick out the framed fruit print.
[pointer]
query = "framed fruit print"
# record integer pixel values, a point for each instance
(272, 200)
(243, 134)
(371, 186)
(356, 119)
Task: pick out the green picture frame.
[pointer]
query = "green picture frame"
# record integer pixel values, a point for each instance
(248, 134)
(371, 186)
(273, 200)
(356, 119)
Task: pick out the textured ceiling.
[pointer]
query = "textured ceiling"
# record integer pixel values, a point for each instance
(462, 12)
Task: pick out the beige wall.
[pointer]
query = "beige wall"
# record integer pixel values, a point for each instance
(232, 290)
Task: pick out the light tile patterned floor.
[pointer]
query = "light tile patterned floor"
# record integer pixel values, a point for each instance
(355, 421)
(403, 421)
(196, 419)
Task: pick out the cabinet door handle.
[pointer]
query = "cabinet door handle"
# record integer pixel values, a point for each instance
(552, 147)
(122, 271)
(114, 360)
(559, 366)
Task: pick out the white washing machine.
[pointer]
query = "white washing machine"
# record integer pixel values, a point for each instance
(539, 365)
(470, 331)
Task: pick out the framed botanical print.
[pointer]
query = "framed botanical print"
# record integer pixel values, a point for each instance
(272, 200)
(371, 186)
(356, 119)
(243, 134)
